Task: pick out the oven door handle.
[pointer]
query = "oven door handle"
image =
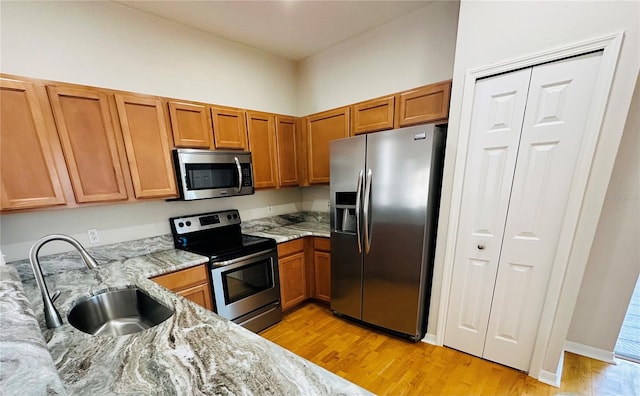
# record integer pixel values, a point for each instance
(239, 259)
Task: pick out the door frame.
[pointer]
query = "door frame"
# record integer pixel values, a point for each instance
(584, 204)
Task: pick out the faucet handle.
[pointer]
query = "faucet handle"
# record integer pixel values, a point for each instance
(55, 296)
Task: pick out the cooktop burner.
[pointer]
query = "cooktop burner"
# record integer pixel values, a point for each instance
(216, 235)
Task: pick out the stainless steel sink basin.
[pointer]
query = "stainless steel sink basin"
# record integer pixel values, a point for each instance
(118, 312)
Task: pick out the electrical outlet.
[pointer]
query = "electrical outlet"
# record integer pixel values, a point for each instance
(269, 208)
(328, 204)
(93, 235)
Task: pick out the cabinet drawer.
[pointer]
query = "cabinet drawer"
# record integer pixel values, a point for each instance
(287, 248)
(322, 244)
(184, 278)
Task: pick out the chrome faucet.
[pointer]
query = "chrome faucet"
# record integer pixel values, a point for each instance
(51, 315)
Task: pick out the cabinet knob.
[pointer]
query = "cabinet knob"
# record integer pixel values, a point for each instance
(481, 247)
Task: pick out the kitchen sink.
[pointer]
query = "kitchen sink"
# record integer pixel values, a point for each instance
(118, 312)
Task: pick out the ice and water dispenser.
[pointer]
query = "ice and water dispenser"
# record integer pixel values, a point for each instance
(345, 208)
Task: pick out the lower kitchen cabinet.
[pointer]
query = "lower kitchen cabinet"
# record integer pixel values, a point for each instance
(305, 271)
(199, 294)
(322, 269)
(191, 283)
(293, 274)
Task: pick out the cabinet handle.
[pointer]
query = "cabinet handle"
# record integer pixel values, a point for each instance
(481, 247)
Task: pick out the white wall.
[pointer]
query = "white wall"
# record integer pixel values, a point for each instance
(123, 222)
(315, 198)
(106, 44)
(110, 45)
(491, 32)
(413, 50)
(614, 262)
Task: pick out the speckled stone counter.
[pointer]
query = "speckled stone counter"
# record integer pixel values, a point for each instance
(25, 362)
(284, 228)
(195, 352)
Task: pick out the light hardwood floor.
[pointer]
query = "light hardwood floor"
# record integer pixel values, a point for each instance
(389, 366)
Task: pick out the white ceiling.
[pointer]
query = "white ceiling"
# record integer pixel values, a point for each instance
(293, 29)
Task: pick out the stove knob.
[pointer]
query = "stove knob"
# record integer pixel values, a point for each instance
(235, 216)
(180, 224)
(228, 217)
(188, 223)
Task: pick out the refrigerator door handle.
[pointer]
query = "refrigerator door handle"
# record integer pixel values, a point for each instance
(367, 204)
(358, 202)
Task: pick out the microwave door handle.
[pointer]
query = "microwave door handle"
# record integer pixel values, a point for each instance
(239, 173)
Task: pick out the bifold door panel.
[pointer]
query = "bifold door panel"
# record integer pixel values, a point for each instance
(513, 205)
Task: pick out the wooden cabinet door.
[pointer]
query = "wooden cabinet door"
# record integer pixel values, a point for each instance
(200, 294)
(287, 151)
(191, 283)
(322, 269)
(146, 141)
(229, 128)
(28, 175)
(321, 129)
(424, 105)
(261, 130)
(89, 143)
(293, 280)
(190, 125)
(373, 115)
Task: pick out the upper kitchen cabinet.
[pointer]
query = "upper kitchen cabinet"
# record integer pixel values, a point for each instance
(191, 125)
(373, 115)
(428, 104)
(322, 128)
(261, 128)
(229, 128)
(89, 143)
(146, 141)
(28, 144)
(287, 147)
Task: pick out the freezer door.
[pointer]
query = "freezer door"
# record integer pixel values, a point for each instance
(399, 162)
(347, 159)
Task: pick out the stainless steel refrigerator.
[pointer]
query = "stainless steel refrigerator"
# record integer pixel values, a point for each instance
(385, 190)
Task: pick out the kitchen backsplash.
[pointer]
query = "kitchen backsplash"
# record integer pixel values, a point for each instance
(68, 261)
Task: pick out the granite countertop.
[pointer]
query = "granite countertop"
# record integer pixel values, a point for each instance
(193, 352)
(25, 361)
(284, 228)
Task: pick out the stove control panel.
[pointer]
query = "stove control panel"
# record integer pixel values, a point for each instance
(204, 221)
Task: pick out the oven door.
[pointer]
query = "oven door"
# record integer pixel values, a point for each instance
(245, 284)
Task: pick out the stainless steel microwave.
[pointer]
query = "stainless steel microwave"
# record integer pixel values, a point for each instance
(205, 174)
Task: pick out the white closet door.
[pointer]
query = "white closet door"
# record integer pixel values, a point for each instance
(498, 112)
(558, 107)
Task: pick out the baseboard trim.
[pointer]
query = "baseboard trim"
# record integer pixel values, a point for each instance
(590, 352)
(551, 378)
(430, 339)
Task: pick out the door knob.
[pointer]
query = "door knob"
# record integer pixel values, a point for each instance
(481, 247)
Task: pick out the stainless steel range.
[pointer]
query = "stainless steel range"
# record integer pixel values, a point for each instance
(244, 268)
